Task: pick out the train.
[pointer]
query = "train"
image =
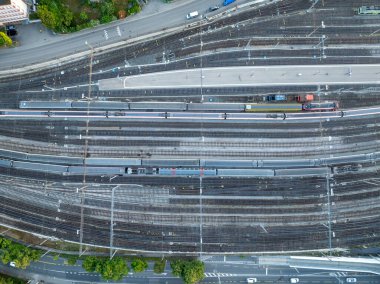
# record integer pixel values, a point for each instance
(189, 167)
(187, 172)
(9, 155)
(181, 106)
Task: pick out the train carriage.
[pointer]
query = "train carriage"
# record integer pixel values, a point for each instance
(320, 106)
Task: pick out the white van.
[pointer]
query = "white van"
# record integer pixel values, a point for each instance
(192, 15)
(251, 280)
(294, 280)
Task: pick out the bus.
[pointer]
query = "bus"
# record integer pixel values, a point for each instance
(369, 10)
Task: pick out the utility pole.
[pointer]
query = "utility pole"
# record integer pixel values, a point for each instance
(85, 151)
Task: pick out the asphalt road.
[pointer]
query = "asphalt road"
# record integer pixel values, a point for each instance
(132, 27)
(233, 270)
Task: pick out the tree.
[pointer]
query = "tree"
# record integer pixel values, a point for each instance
(107, 9)
(10, 280)
(21, 255)
(7, 39)
(139, 265)
(176, 266)
(48, 18)
(89, 264)
(190, 271)
(109, 269)
(67, 17)
(114, 269)
(71, 260)
(5, 243)
(83, 16)
(193, 271)
(121, 14)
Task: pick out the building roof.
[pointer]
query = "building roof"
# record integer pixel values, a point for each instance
(5, 2)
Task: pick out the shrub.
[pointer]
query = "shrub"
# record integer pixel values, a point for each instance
(6, 39)
(72, 260)
(159, 266)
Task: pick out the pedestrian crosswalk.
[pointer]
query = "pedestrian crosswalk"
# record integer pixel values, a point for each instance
(338, 274)
(208, 274)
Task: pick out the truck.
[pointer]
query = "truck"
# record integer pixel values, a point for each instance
(275, 98)
(227, 2)
(305, 98)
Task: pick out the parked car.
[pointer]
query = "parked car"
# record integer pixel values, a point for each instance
(192, 15)
(213, 8)
(351, 280)
(11, 30)
(12, 263)
(294, 280)
(251, 280)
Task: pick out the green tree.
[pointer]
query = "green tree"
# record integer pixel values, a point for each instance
(83, 16)
(67, 17)
(190, 271)
(4, 279)
(72, 260)
(89, 264)
(176, 266)
(139, 265)
(109, 269)
(114, 269)
(193, 271)
(21, 255)
(6, 39)
(107, 9)
(5, 243)
(48, 18)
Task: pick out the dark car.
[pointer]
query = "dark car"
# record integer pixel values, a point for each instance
(213, 8)
(11, 30)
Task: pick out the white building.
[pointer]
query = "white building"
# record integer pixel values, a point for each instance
(12, 11)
